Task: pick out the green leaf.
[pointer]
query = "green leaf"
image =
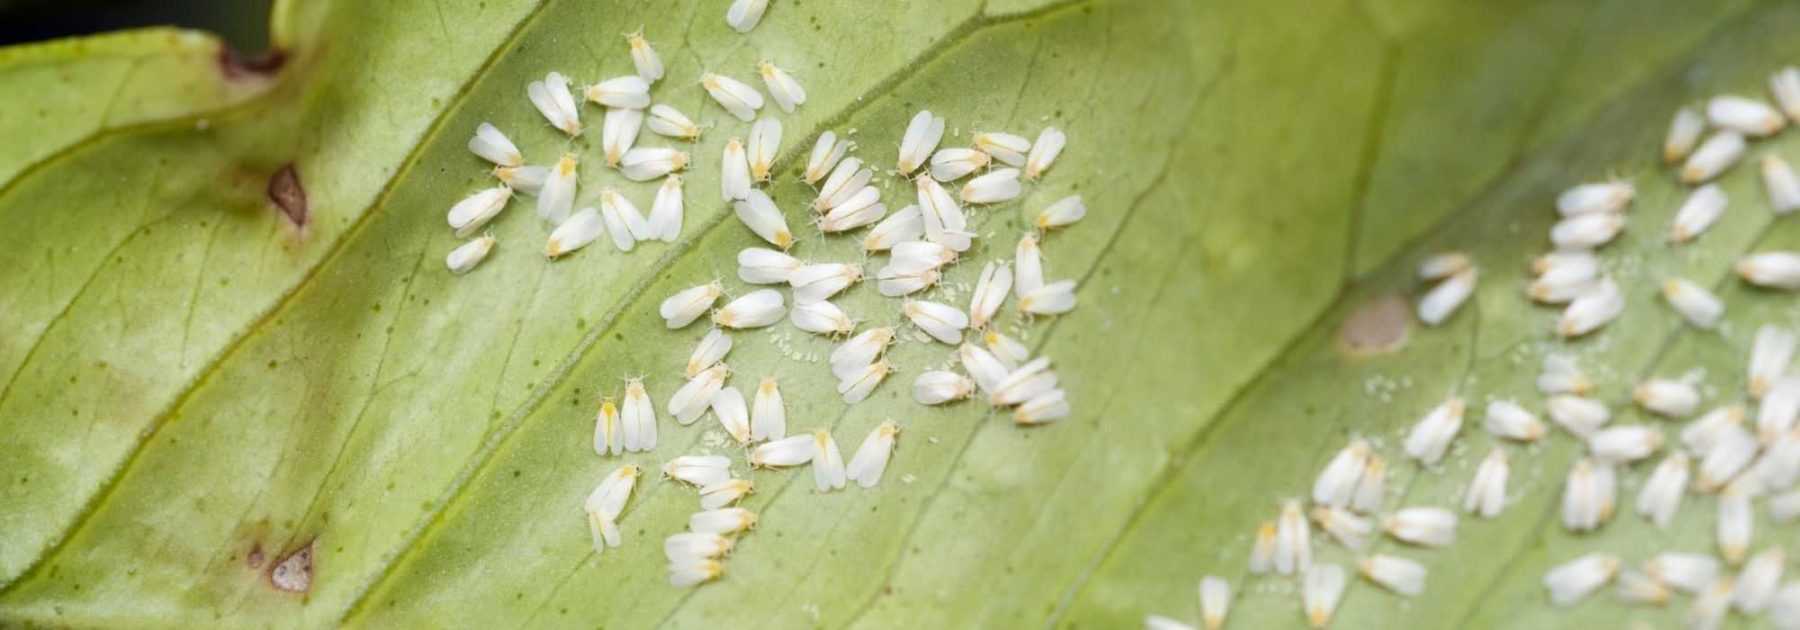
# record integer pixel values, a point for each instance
(196, 389)
(80, 87)
(1201, 516)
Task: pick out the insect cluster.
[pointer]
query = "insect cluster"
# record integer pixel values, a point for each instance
(1718, 452)
(921, 241)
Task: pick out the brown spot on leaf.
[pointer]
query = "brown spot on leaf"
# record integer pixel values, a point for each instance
(255, 558)
(288, 195)
(237, 66)
(294, 573)
(1378, 326)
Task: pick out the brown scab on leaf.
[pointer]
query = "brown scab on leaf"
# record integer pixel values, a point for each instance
(236, 66)
(288, 195)
(294, 573)
(255, 558)
(1378, 326)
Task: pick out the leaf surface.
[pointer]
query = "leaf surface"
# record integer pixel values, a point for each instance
(196, 387)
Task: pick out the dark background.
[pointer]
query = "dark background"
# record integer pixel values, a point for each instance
(243, 23)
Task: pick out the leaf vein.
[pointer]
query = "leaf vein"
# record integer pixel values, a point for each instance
(108, 487)
(484, 457)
